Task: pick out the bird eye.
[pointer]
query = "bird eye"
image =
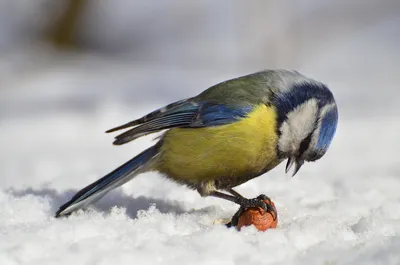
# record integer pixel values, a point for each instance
(305, 144)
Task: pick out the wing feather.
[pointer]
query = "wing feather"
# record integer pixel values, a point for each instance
(183, 114)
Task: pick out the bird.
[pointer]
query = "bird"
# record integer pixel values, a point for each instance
(228, 134)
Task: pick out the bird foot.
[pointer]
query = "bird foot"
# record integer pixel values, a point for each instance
(253, 203)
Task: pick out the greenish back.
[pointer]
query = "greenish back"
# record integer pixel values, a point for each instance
(246, 90)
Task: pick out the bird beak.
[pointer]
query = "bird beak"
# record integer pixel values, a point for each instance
(297, 167)
(289, 164)
(294, 161)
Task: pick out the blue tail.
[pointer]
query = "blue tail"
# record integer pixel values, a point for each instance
(116, 178)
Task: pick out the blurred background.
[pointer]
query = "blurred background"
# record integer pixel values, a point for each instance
(70, 69)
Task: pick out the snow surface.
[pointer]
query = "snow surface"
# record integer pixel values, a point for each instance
(343, 209)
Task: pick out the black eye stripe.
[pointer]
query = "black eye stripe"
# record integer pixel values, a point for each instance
(305, 144)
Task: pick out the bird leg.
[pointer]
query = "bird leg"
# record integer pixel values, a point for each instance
(245, 203)
(234, 193)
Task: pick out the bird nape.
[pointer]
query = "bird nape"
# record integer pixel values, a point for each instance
(230, 133)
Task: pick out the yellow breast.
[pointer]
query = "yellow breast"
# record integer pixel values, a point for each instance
(238, 149)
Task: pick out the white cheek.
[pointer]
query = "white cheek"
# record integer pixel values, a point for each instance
(298, 125)
(286, 143)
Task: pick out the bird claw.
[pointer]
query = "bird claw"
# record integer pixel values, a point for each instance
(268, 206)
(252, 203)
(235, 218)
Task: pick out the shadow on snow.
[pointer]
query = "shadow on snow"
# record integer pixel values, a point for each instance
(112, 199)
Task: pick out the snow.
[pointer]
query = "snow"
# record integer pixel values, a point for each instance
(54, 109)
(341, 210)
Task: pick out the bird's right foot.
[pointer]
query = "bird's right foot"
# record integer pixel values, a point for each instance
(253, 203)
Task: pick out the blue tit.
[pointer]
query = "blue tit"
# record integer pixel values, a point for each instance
(232, 132)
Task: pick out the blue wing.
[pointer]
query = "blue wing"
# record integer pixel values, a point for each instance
(183, 114)
(219, 114)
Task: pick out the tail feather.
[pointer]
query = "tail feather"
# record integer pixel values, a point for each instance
(116, 178)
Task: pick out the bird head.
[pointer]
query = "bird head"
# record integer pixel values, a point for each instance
(307, 120)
